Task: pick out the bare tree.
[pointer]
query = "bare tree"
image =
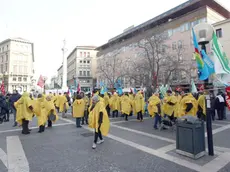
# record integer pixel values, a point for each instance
(155, 58)
(110, 67)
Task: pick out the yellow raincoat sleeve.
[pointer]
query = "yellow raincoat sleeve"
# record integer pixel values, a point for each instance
(201, 103)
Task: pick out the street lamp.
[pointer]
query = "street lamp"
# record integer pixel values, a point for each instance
(45, 79)
(204, 34)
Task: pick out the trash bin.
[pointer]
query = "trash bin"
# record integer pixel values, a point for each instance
(190, 138)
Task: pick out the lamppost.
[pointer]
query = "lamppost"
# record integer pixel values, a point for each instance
(64, 67)
(45, 79)
(204, 34)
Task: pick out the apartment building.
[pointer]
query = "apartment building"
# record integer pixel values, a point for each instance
(176, 24)
(81, 66)
(17, 64)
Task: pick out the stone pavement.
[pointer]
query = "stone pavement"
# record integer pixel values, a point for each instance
(130, 147)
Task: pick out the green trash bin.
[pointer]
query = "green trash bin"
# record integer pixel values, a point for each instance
(190, 139)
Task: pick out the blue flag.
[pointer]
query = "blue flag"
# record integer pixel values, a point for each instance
(209, 63)
(119, 91)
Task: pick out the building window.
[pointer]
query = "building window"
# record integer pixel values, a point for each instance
(170, 32)
(24, 79)
(7, 47)
(88, 61)
(88, 54)
(180, 58)
(80, 54)
(180, 44)
(80, 73)
(15, 69)
(84, 54)
(174, 45)
(14, 79)
(80, 61)
(88, 73)
(88, 81)
(6, 60)
(187, 26)
(182, 28)
(219, 33)
(6, 67)
(24, 88)
(2, 49)
(2, 59)
(19, 78)
(84, 61)
(84, 73)
(1, 68)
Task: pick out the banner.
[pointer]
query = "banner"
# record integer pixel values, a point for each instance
(228, 97)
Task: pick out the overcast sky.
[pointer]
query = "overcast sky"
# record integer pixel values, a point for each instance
(81, 22)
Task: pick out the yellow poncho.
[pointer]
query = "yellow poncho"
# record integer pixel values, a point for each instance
(188, 99)
(38, 108)
(94, 117)
(126, 105)
(114, 102)
(78, 108)
(169, 109)
(62, 103)
(139, 103)
(106, 99)
(201, 103)
(152, 106)
(22, 107)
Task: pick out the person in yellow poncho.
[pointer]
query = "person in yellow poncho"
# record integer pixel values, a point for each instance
(188, 106)
(126, 106)
(139, 105)
(114, 105)
(50, 111)
(24, 112)
(169, 105)
(106, 99)
(78, 110)
(131, 97)
(85, 116)
(38, 109)
(57, 101)
(154, 108)
(62, 105)
(201, 112)
(99, 120)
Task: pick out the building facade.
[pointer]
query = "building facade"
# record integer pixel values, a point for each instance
(17, 64)
(176, 24)
(223, 33)
(59, 76)
(81, 67)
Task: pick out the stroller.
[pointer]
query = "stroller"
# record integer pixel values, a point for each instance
(168, 122)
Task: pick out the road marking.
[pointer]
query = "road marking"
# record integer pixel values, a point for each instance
(19, 129)
(167, 148)
(3, 157)
(117, 122)
(145, 134)
(217, 163)
(17, 161)
(217, 130)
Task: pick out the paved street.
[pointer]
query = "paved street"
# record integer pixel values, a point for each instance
(130, 147)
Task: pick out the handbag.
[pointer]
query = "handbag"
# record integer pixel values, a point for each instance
(52, 117)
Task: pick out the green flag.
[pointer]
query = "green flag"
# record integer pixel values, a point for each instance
(193, 89)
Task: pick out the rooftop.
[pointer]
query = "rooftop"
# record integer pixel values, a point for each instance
(19, 39)
(180, 10)
(221, 22)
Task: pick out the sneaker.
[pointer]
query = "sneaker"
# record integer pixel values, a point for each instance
(94, 146)
(100, 142)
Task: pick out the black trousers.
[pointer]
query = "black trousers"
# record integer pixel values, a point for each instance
(115, 113)
(41, 128)
(25, 126)
(108, 110)
(139, 115)
(97, 134)
(126, 116)
(49, 123)
(220, 113)
(85, 117)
